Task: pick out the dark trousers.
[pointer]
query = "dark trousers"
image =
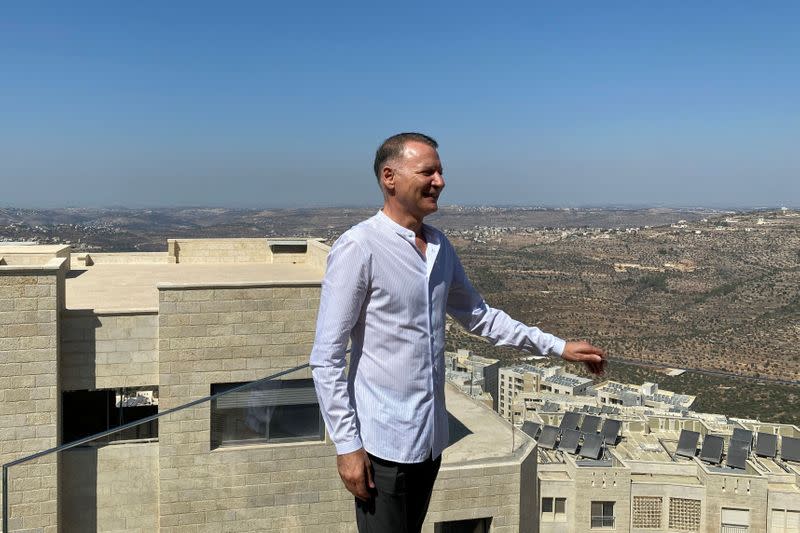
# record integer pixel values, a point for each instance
(400, 498)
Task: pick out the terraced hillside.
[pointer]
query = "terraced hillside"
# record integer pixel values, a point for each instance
(720, 293)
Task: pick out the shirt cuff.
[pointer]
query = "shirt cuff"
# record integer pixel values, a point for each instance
(558, 346)
(348, 447)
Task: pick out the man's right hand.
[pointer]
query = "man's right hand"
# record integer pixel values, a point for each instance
(582, 352)
(355, 470)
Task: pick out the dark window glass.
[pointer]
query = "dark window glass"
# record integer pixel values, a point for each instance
(476, 525)
(87, 412)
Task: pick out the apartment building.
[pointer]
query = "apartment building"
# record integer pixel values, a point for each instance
(648, 394)
(665, 473)
(474, 375)
(517, 380)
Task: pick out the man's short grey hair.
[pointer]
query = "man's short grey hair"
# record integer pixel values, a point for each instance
(392, 148)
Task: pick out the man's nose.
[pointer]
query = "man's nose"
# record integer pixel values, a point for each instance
(438, 180)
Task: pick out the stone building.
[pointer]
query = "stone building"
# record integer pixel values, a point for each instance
(92, 341)
(515, 381)
(647, 478)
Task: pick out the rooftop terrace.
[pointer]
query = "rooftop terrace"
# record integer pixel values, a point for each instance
(134, 286)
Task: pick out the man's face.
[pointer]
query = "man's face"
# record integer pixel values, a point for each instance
(418, 179)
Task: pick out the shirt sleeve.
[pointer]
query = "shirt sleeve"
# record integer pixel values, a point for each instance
(344, 289)
(466, 306)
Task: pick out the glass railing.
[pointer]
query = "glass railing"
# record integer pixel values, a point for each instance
(206, 462)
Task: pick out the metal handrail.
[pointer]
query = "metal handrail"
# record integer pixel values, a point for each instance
(123, 427)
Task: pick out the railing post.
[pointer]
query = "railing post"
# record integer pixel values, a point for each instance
(5, 498)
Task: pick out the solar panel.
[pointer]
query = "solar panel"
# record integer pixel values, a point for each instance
(590, 424)
(610, 431)
(548, 437)
(711, 452)
(743, 435)
(790, 449)
(737, 453)
(571, 420)
(767, 445)
(569, 440)
(687, 443)
(531, 428)
(592, 445)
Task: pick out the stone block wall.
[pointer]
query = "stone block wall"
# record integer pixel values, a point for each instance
(218, 250)
(606, 485)
(663, 493)
(108, 350)
(110, 488)
(219, 335)
(121, 258)
(737, 492)
(31, 299)
(504, 491)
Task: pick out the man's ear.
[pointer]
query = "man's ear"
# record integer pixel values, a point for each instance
(387, 179)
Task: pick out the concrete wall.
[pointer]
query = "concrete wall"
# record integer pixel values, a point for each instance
(318, 254)
(110, 488)
(109, 350)
(30, 301)
(218, 250)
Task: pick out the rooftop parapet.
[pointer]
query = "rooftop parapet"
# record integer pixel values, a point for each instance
(130, 281)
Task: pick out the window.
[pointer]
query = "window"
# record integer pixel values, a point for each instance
(276, 411)
(476, 525)
(684, 514)
(554, 509)
(602, 514)
(735, 520)
(646, 512)
(785, 521)
(86, 412)
(288, 247)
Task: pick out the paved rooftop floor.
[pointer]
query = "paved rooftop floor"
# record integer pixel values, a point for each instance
(133, 286)
(476, 432)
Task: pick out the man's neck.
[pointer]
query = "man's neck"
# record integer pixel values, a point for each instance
(405, 219)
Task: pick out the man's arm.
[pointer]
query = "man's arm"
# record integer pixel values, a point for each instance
(343, 292)
(467, 306)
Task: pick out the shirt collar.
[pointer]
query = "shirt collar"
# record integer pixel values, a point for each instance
(404, 232)
(394, 226)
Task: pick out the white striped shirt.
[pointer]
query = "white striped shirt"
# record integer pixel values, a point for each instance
(389, 301)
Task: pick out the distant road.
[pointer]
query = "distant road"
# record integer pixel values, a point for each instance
(718, 373)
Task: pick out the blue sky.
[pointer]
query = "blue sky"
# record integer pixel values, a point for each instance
(258, 104)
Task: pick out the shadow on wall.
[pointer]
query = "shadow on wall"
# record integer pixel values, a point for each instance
(78, 360)
(457, 430)
(78, 490)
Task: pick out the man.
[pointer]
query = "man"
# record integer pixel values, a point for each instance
(388, 284)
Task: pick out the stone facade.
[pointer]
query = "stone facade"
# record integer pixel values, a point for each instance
(200, 334)
(108, 350)
(31, 297)
(110, 488)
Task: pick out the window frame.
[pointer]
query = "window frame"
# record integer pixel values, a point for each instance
(217, 433)
(604, 520)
